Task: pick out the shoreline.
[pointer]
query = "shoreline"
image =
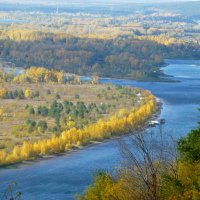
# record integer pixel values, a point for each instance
(162, 77)
(79, 148)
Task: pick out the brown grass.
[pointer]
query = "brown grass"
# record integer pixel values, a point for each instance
(15, 113)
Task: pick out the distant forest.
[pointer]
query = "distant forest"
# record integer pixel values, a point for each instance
(119, 58)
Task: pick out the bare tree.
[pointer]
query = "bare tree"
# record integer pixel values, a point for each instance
(147, 157)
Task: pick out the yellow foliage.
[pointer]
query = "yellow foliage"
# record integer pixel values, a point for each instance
(40, 74)
(27, 93)
(123, 112)
(25, 35)
(161, 39)
(71, 124)
(1, 112)
(2, 93)
(120, 125)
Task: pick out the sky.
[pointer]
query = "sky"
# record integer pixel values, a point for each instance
(86, 1)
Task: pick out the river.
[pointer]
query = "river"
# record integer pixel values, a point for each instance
(61, 177)
(10, 21)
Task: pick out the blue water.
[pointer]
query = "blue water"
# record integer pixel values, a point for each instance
(15, 71)
(61, 177)
(9, 21)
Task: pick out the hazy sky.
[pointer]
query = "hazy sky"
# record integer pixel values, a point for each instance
(86, 1)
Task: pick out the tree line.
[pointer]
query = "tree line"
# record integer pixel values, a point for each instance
(102, 129)
(119, 57)
(18, 94)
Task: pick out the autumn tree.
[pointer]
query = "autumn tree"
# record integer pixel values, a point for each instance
(3, 93)
(27, 93)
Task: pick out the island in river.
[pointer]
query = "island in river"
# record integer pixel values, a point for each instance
(44, 112)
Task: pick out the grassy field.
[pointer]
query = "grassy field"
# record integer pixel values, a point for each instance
(99, 101)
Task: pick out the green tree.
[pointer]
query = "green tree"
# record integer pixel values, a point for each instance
(189, 146)
(43, 110)
(31, 125)
(31, 111)
(42, 125)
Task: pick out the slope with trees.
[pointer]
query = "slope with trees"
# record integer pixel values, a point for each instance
(164, 171)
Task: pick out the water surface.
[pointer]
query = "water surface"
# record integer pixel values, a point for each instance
(61, 177)
(10, 21)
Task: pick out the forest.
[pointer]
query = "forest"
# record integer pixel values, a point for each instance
(111, 43)
(120, 57)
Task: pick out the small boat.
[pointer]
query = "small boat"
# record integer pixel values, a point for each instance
(153, 123)
(162, 121)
